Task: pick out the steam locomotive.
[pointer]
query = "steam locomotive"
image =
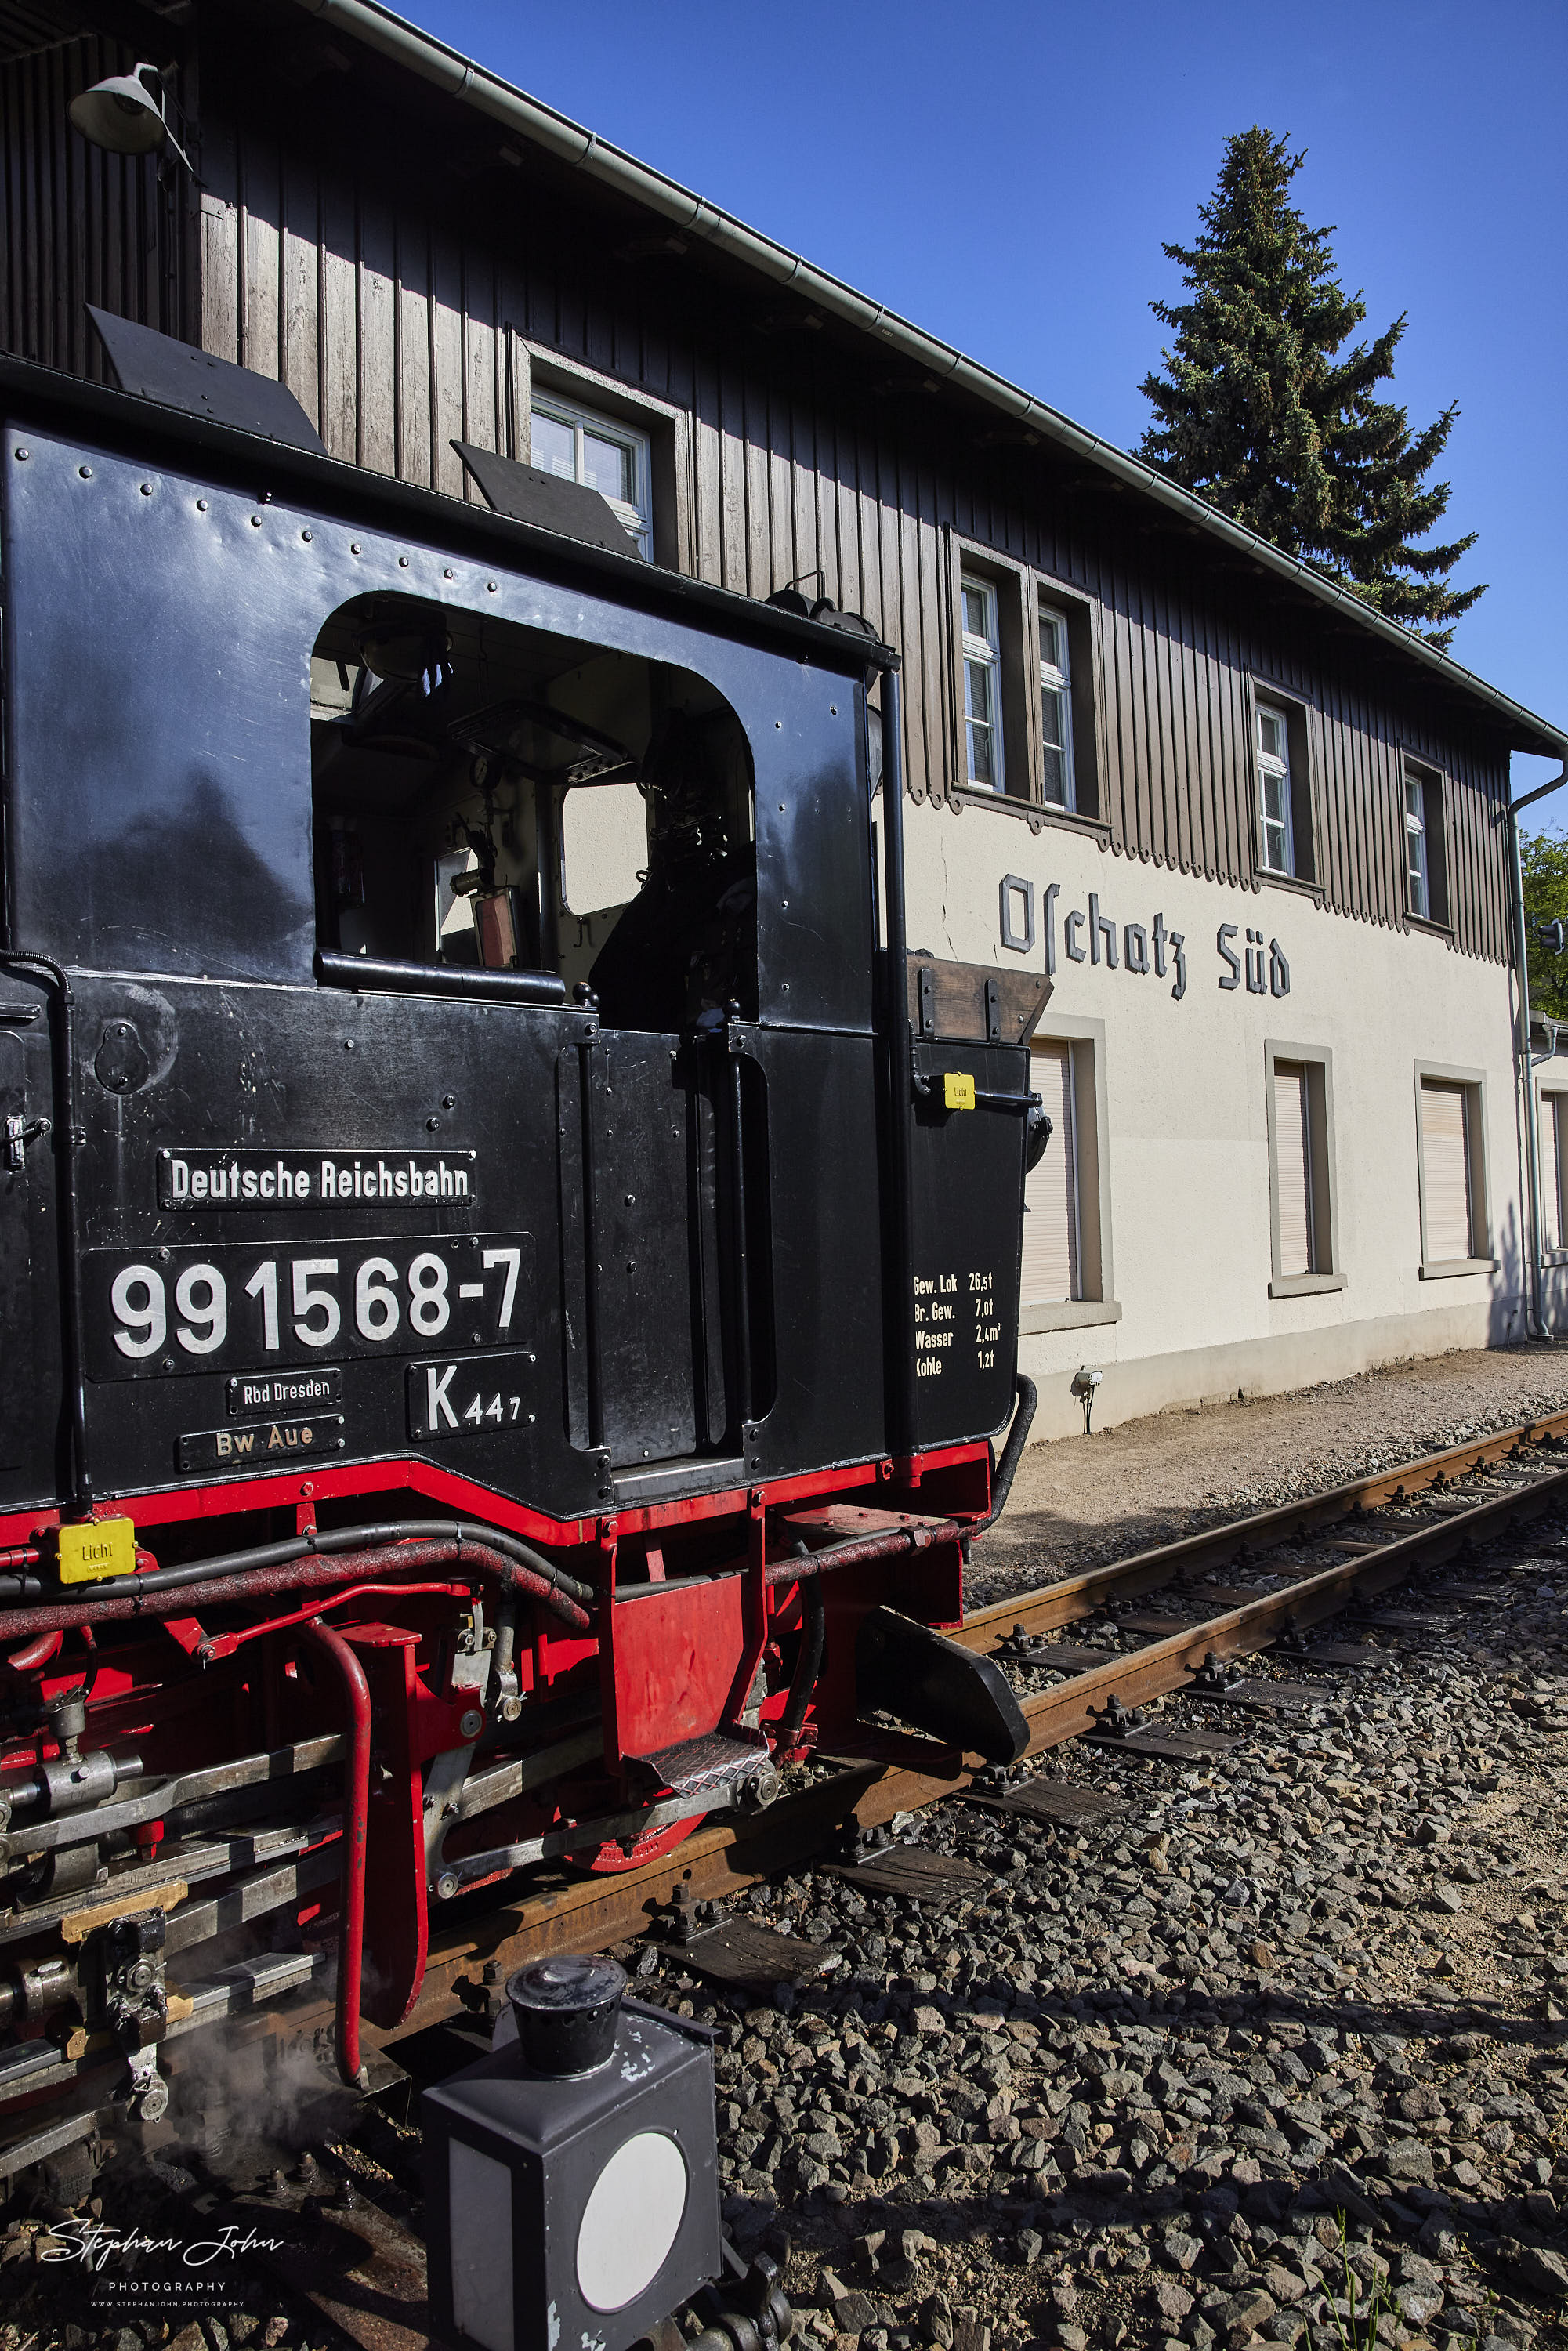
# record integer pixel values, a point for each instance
(508, 1265)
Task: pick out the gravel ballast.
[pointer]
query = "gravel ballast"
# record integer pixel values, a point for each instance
(1278, 2053)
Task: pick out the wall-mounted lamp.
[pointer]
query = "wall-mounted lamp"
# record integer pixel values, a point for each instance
(127, 115)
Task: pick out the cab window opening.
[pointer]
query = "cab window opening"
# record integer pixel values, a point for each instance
(497, 796)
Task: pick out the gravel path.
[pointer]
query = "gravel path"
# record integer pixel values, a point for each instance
(1083, 1501)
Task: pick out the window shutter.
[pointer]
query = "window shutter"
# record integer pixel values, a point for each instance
(1446, 1158)
(1292, 1159)
(1051, 1195)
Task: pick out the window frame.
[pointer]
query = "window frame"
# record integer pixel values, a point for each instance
(1417, 868)
(1550, 1130)
(1264, 766)
(533, 366)
(982, 652)
(1264, 694)
(1023, 595)
(581, 418)
(1434, 813)
(1473, 1084)
(1056, 678)
(1318, 1062)
(1091, 1170)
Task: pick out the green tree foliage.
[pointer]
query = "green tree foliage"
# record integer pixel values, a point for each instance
(1261, 417)
(1544, 857)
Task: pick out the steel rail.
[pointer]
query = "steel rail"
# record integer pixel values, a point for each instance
(1239, 1540)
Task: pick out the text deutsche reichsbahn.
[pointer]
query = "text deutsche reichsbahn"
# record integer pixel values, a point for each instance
(229, 1179)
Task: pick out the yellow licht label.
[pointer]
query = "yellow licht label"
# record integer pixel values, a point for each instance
(100, 1547)
(958, 1090)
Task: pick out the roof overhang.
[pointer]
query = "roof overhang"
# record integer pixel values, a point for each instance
(569, 142)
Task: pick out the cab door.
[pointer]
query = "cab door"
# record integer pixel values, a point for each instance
(970, 1029)
(665, 1210)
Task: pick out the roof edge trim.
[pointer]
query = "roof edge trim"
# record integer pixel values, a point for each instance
(432, 61)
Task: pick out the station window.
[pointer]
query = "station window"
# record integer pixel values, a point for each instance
(1301, 1191)
(1285, 837)
(1277, 846)
(1451, 1161)
(1426, 850)
(986, 765)
(1023, 674)
(502, 797)
(1067, 1218)
(1554, 1169)
(1051, 1245)
(1055, 711)
(581, 445)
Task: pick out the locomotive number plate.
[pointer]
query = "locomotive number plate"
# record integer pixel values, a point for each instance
(473, 1399)
(236, 1306)
(261, 1447)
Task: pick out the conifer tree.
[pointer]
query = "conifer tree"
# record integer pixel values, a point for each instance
(1261, 417)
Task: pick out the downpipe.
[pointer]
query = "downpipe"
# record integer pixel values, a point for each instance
(1535, 1323)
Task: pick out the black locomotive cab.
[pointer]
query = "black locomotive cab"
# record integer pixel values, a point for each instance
(475, 972)
(472, 1135)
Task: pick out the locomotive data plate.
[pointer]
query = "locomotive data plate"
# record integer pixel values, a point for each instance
(244, 1307)
(248, 1394)
(472, 1399)
(204, 1178)
(266, 1445)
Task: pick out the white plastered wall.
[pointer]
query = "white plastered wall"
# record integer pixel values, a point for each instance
(1185, 1117)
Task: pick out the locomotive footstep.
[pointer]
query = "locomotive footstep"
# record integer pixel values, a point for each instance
(916, 1872)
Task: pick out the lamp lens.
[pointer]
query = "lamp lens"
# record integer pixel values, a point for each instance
(630, 2221)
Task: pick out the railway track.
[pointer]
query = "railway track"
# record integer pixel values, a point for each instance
(1306, 1563)
(1309, 1562)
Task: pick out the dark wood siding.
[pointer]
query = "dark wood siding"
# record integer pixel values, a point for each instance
(398, 299)
(81, 225)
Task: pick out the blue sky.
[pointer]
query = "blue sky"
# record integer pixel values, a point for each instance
(1004, 174)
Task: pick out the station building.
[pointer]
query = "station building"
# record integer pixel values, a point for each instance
(1257, 838)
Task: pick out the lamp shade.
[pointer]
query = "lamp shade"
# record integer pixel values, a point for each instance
(124, 114)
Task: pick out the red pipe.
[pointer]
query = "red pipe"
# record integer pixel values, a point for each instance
(38, 1652)
(310, 1574)
(857, 1549)
(223, 1645)
(356, 1829)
